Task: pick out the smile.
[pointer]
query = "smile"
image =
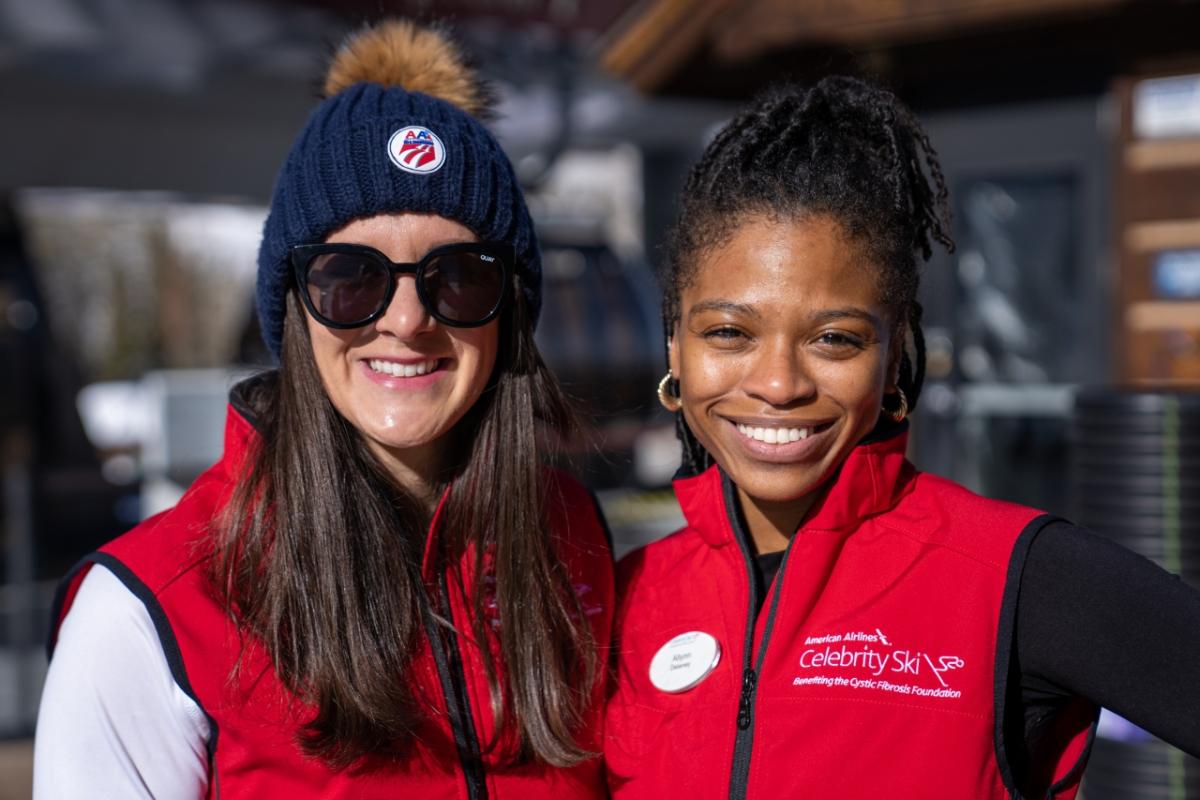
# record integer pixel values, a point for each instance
(403, 370)
(773, 435)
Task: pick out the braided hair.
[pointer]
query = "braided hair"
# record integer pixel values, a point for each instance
(842, 148)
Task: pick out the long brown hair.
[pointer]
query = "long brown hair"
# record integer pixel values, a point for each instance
(316, 557)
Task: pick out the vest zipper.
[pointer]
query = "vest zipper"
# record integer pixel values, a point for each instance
(751, 667)
(454, 689)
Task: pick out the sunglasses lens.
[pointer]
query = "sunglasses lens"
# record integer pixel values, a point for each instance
(347, 288)
(465, 287)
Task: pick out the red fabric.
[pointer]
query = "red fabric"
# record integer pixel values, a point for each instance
(257, 719)
(892, 573)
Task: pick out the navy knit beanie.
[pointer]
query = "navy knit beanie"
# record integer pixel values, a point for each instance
(372, 148)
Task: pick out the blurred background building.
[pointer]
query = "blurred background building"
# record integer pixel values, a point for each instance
(141, 139)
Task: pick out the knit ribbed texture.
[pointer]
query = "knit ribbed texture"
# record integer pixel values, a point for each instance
(338, 170)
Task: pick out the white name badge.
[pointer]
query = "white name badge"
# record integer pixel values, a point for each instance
(683, 662)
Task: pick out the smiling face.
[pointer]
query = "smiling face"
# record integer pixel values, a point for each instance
(783, 352)
(404, 381)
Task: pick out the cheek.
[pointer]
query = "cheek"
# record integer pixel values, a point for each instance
(852, 384)
(705, 377)
(857, 393)
(705, 374)
(328, 348)
(477, 350)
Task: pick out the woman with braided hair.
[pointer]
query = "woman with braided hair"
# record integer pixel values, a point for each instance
(832, 622)
(379, 591)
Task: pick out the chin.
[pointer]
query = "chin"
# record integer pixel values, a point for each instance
(779, 488)
(410, 436)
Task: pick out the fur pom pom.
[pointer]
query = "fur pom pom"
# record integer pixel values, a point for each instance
(401, 53)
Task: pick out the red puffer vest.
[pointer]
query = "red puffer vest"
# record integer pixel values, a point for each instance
(254, 721)
(877, 667)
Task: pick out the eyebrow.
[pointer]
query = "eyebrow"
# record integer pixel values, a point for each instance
(727, 306)
(832, 314)
(827, 315)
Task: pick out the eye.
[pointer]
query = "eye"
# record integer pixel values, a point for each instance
(725, 335)
(840, 343)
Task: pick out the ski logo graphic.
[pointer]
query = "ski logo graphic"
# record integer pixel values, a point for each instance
(416, 149)
(866, 661)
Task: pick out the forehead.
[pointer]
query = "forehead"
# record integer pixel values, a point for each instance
(792, 264)
(402, 236)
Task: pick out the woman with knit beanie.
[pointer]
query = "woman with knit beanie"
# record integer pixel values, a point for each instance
(378, 591)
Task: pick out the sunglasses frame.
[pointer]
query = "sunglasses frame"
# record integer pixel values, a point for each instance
(302, 256)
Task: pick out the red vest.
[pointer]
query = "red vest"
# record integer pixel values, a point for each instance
(871, 670)
(252, 749)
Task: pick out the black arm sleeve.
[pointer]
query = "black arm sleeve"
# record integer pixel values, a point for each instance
(1095, 620)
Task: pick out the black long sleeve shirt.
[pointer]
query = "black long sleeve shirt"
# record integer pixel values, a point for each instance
(1096, 621)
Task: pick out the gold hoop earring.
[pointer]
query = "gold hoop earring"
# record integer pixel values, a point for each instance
(670, 402)
(902, 411)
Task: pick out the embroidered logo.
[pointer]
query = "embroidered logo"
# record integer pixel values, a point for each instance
(872, 662)
(416, 149)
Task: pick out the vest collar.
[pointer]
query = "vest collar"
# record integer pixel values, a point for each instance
(240, 433)
(429, 557)
(872, 479)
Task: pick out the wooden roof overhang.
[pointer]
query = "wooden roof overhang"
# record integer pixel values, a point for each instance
(728, 49)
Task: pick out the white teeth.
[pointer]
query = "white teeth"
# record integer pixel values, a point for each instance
(774, 435)
(402, 370)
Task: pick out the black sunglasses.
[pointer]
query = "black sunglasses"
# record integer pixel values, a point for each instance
(350, 285)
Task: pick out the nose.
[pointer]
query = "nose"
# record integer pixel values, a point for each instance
(779, 376)
(405, 317)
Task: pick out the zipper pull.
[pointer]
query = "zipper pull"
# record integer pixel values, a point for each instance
(748, 681)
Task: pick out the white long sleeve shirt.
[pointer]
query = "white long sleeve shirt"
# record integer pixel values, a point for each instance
(113, 722)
